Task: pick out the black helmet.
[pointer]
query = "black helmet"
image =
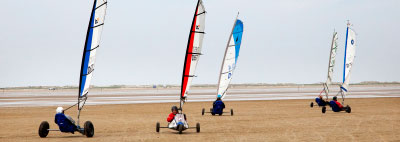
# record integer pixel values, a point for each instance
(335, 98)
(174, 108)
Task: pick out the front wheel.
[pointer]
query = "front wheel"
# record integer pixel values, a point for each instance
(158, 127)
(348, 110)
(44, 129)
(231, 112)
(312, 104)
(202, 111)
(88, 129)
(198, 127)
(323, 109)
(180, 128)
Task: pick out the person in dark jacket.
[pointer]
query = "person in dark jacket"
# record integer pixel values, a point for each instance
(64, 122)
(218, 106)
(320, 101)
(336, 106)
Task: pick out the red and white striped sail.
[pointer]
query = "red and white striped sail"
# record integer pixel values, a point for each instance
(193, 50)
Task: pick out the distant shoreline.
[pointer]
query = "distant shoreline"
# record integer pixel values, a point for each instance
(366, 83)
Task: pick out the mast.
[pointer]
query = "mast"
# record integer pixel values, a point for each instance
(332, 57)
(223, 59)
(193, 50)
(92, 41)
(349, 56)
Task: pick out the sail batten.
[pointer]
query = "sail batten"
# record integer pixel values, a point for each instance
(230, 58)
(193, 50)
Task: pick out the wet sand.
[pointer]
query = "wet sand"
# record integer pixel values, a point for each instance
(372, 119)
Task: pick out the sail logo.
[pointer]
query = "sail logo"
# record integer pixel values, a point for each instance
(352, 41)
(197, 27)
(96, 20)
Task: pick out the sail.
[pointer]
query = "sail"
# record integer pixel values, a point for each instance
(92, 42)
(331, 64)
(193, 50)
(230, 58)
(349, 54)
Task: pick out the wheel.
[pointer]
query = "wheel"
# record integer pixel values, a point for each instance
(198, 127)
(348, 110)
(88, 129)
(44, 129)
(158, 127)
(202, 111)
(323, 109)
(180, 129)
(231, 112)
(312, 104)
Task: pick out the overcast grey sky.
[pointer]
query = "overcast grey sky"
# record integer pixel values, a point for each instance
(144, 42)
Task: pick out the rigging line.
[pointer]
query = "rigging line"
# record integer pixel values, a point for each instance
(71, 106)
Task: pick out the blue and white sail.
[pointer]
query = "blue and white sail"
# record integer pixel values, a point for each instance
(92, 42)
(331, 64)
(230, 58)
(349, 55)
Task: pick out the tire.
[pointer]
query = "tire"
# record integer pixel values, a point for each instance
(180, 129)
(44, 129)
(88, 129)
(231, 112)
(312, 104)
(348, 110)
(158, 127)
(323, 109)
(202, 111)
(198, 127)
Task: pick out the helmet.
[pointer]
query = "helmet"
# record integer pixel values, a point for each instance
(59, 110)
(335, 98)
(174, 108)
(219, 96)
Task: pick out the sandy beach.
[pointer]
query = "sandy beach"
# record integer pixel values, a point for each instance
(372, 119)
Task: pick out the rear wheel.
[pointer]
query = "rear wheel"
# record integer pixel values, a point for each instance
(312, 104)
(348, 109)
(180, 128)
(231, 112)
(323, 109)
(158, 127)
(88, 129)
(198, 127)
(202, 111)
(44, 129)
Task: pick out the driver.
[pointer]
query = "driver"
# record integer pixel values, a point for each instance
(218, 106)
(171, 116)
(320, 101)
(64, 122)
(336, 106)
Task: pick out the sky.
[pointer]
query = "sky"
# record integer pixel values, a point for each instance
(144, 42)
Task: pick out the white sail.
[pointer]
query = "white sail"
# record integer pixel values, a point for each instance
(92, 43)
(331, 64)
(230, 58)
(349, 55)
(193, 50)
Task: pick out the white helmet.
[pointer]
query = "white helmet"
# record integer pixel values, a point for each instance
(59, 110)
